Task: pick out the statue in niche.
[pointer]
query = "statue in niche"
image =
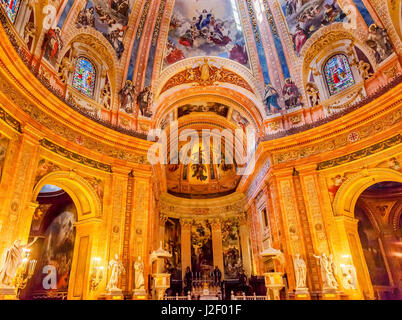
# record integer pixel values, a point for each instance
(106, 96)
(145, 100)
(126, 95)
(11, 260)
(139, 274)
(300, 272)
(205, 70)
(328, 270)
(291, 94)
(65, 69)
(379, 41)
(271, 100)
(313, 94)
(364, 69)
(29, 31)
(117, 268)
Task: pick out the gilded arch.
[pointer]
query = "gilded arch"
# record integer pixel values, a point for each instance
(81, 192)
(351, 189)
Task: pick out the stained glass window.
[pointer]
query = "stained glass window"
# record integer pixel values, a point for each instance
(338, 74)
(84, 77)
(11, 7)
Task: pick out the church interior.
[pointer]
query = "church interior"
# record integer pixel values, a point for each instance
(201, 150)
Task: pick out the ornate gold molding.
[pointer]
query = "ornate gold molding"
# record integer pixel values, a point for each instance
(74, 156)
(8, 119)
(383, 145)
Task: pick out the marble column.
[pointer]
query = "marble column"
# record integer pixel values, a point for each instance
(217, 248)
(245, 244)
(185, 244)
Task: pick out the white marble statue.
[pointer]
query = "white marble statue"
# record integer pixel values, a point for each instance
(328, 270)
(11, 261)
(139, 274)
(117, 269)
(301, 272)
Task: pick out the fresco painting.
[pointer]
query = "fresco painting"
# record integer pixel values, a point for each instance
(108, 17)
(201, 248)
(231, 248)
(202, 28)
(305, 17)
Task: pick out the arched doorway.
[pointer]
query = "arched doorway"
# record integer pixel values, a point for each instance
(74, 223)
(53, 230)
(376, 209)
(368, 224)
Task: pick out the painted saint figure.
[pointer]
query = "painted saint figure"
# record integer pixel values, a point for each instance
(271, 99)
(126, 95)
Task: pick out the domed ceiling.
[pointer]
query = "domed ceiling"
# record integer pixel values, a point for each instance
(206, 175)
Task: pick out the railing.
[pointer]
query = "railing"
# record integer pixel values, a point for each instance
(177, 297)
(247, 298)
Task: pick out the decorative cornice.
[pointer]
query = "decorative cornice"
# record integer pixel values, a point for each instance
(74, 156)
(8, 119)
(383, 145)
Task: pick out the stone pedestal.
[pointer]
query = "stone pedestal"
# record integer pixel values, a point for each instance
(329, 294)
(302, 294)
(139, 294)
(8, 293)
(274, 284)
(115, 294)
(161, 282)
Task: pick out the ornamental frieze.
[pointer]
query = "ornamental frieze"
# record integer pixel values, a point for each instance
(63, 130)
(74, 156)
(206, 75)
(7, 118)
(342, 140)
(381, 146)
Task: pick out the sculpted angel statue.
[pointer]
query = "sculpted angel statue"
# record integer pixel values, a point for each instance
(117, 269)
(11, 261)
(139, 274)
(300, 271)
(327, 271)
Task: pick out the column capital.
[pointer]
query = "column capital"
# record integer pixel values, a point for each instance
(243, 218)
(216, 224)
(186, 223)
(163, 217)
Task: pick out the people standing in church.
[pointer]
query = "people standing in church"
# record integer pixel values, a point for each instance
(188, 280)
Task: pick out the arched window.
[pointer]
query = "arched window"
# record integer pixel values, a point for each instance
(338, 74)
(12, 7)
(84, 77)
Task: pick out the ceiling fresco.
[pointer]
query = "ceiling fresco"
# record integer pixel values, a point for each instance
(305, 17)
(203, 28)
(108, 17)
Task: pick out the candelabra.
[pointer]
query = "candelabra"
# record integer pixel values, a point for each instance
(25, 272)
(96, 274)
